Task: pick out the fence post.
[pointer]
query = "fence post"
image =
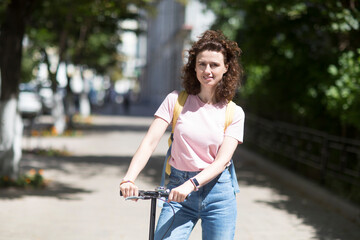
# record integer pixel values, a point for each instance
(324, 159)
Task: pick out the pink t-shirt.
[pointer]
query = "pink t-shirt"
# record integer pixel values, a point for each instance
(199, 131)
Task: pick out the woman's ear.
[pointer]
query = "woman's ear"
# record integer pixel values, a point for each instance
(226, 68)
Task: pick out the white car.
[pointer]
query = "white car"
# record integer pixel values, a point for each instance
(30, 104)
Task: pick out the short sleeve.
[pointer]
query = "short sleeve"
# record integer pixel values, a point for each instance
(166, 109)
(236, 128)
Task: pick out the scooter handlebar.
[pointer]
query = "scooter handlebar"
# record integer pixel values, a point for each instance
(152, 194)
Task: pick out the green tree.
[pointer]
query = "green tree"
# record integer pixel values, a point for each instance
(64, 27)
(343, 96)
(14, 15)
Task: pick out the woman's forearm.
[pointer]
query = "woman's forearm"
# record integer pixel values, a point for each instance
(138, 162)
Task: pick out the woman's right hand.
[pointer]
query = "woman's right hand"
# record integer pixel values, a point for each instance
(129, 189)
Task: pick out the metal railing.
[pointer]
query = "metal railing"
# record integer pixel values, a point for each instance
(329, 156)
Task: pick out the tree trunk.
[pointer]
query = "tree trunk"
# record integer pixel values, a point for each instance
(85, 108)
(58, 113)
(70, 108)
(11, 129)
(12, 32)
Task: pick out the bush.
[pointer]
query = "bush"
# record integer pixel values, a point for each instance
(32, 179)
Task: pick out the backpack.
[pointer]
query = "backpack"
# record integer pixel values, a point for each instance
(229, 114)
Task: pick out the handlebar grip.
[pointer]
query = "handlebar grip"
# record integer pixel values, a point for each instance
(152, 194)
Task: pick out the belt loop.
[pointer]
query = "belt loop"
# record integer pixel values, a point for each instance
(234, 178)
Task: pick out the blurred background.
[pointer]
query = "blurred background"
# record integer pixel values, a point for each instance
(301, 90)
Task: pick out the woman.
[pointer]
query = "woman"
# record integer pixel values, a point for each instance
(200, 180)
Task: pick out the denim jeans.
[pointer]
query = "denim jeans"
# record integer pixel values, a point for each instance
(214, 204)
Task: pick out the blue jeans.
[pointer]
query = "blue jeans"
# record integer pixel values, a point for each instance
(214, 204)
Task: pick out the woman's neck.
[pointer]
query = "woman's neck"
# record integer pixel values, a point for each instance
(207, 96)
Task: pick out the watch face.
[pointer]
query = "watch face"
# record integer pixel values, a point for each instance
(196, 182)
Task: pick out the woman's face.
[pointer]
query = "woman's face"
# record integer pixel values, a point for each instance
(210, 68)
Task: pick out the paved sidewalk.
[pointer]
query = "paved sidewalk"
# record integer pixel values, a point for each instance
(82, 199)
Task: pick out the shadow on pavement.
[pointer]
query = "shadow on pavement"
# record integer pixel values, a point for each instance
(112, 128)
(88, 166)
(139, 109)
(132, 125)
(327, 224)
(55, 189)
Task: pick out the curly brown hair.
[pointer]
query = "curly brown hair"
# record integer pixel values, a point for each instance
(215, 41)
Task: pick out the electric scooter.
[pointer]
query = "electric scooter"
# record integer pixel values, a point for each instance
(153, 196)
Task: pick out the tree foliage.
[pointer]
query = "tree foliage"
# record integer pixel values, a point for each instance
(343, 96)
(301, 59)
(83, 33)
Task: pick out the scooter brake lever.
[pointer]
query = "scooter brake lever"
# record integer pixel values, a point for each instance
(134, 198)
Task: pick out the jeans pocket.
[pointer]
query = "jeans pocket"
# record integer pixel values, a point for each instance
(224, 177)
(175, 180)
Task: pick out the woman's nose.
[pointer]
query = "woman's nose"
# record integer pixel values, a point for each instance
(207, 68)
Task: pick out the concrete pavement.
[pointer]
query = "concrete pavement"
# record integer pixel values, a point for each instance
(82, 202)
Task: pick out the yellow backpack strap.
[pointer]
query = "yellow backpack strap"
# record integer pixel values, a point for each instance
(229, 115)
(177, 110)
(178, 107)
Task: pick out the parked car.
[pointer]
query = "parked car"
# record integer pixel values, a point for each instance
(30, 104)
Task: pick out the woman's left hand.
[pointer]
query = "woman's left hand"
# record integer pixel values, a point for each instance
(180, 193)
